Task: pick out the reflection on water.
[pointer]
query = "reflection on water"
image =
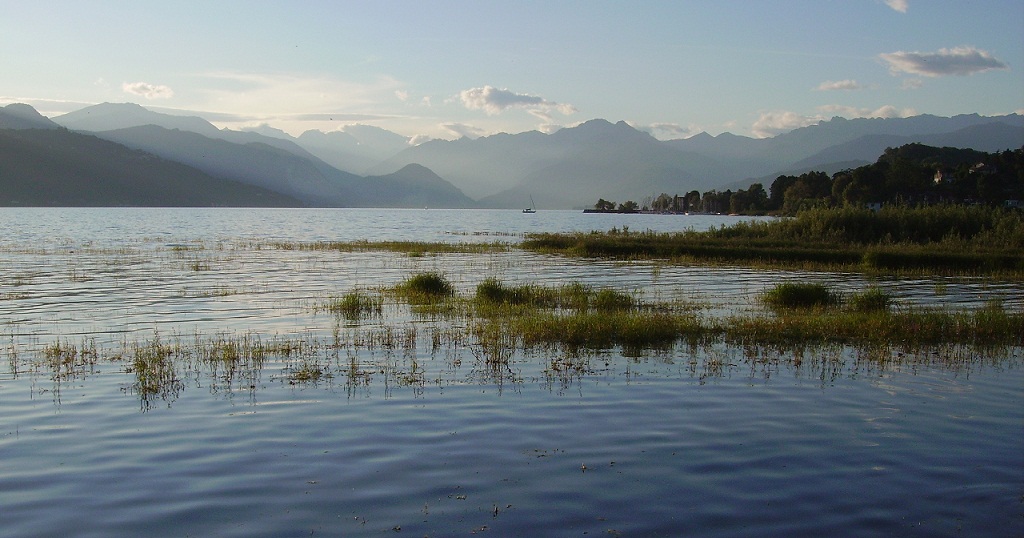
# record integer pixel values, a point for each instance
(361, 361)
(173, 372)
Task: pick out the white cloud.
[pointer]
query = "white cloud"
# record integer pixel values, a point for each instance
(147, 90)
(830, 85)
(887, 111)
(549, 128)
(912, 83)
(955, 61)
(495, 101)
(781, 121)
(419, 139)
(898, 5)
(463, 130)
(666, 131)
(402, 95)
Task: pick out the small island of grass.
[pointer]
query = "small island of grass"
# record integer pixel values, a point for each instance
(941, 239)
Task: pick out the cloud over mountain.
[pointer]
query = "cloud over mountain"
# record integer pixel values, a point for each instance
(886, 111)
(463, 130)
(781, 121)
(147, 90)
(495, 101)
(956, 61)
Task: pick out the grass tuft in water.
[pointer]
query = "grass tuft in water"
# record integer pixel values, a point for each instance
(800, 295)
(355, 305)
(870, 300)
(575, 296)
(426, 287)
(156, 375)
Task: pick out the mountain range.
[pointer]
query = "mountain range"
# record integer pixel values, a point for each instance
(364, 166)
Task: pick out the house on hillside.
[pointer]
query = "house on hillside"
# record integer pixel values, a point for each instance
(983, 169)
(943, 176)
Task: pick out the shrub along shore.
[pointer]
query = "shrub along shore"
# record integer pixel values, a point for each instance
(946, 240)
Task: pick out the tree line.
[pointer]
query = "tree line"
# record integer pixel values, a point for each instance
(911, 174)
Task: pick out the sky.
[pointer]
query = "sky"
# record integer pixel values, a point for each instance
(445, 69)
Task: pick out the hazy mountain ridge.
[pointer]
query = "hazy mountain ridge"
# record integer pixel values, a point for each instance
(416, 186)
(254, 164)
(22, 116)
(614, 161)
(117, 116)
(571, 167)
(274, 162)
(57, 167)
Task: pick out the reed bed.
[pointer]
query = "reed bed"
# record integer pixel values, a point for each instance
(957, 240)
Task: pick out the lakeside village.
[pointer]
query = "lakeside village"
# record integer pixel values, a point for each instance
(913, 174)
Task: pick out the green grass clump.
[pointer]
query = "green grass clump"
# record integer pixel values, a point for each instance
(356, 304)
(870, 300)
(800, 295)
(493, 291)
(574, 296)
(607, 299)
(427, 285)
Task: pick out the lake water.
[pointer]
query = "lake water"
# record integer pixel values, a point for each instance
(409, 428)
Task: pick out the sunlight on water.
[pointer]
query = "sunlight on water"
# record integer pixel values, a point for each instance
(173, 372)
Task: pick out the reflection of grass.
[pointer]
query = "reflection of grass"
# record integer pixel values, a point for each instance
(156, 375)
(307, 371)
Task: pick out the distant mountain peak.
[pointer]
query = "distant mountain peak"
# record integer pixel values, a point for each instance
(22, 116)
(111, 116)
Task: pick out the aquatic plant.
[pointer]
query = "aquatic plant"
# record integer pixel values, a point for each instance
(800, 295)
(306, 371)
(156, 374)
(355, 304)
(492, 292)
(870, 300)
(426, 287)
(945, 239)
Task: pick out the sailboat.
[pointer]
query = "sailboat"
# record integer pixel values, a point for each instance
(532, 208)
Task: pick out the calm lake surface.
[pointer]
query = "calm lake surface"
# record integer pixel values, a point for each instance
(409, 430)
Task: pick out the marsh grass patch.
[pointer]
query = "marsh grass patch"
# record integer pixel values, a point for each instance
(791, 295)
(870, 300)
(355, 305)
(430, 286)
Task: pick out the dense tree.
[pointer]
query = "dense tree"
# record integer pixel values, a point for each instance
(910, 174)
(663, 203)
(629, 206)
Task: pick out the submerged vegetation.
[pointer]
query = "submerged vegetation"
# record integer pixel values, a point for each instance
(951, 239)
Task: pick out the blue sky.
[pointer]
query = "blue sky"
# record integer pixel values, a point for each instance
(443, 69)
